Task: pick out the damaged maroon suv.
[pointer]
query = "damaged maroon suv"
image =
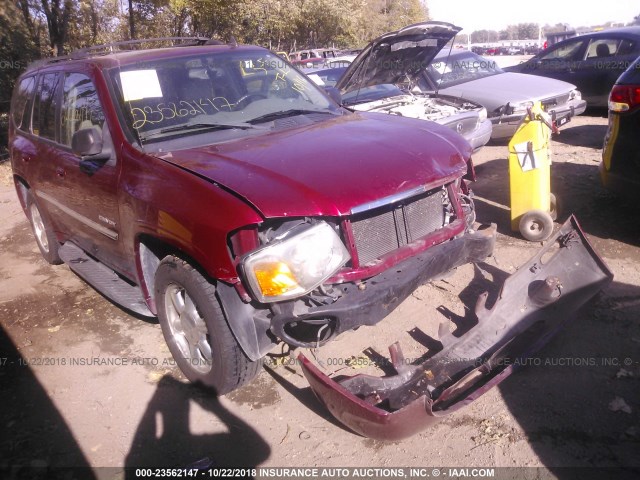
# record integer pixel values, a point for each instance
(217, 188)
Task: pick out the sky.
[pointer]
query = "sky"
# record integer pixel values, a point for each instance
(497, 14)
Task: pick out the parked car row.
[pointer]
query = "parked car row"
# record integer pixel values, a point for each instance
(507, 50)
(457, 88)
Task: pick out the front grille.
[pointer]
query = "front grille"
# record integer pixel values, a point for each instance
(383, 230)
(550, 103)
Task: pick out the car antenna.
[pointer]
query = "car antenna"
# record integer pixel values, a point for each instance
(446, 61)
(233, 43)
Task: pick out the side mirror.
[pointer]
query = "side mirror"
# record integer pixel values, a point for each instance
(87, 141)
(335, 94)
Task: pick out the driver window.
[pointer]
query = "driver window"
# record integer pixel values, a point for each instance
(80, 106)
(564, 52)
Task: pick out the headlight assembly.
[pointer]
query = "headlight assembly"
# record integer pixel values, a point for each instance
(520, 107)
(295, 262)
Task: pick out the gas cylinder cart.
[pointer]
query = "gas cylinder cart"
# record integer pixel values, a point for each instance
(533, 206)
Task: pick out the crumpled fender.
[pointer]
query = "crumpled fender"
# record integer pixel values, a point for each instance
(533, 304)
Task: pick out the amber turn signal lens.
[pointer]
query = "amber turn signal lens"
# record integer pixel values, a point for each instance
(274, 278)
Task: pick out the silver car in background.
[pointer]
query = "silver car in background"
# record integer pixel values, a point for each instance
(505, 95)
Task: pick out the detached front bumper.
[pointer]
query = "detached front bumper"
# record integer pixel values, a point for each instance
(532, 306)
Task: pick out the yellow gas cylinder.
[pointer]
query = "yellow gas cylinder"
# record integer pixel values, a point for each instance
(530, 176)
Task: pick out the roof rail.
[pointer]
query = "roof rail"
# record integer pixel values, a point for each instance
(108, 48)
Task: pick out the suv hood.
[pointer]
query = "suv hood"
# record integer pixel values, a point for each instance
(329, 167)
(397, 55)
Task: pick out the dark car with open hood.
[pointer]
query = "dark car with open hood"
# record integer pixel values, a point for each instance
(219, 189)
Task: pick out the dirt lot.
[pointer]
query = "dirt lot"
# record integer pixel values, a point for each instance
(62, 405)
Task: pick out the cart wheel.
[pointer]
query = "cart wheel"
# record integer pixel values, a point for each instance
(553, 207)
(536, 225)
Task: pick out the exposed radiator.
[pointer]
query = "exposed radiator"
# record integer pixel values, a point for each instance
(385, 229)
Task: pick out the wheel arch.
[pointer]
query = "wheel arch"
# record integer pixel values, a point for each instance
(249, 329)
(150, 250)
(22, 187)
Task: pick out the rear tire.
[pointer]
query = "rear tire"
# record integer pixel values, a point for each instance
(41, 226)
(536, 225)
(196, 330)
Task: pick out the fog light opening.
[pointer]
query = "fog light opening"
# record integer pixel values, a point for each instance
(311, 331)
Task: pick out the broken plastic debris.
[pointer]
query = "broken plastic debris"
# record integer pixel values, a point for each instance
(549, 290)
(619, 405)
(623, 372)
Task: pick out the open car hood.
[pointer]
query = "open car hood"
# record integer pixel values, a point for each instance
(397, 55)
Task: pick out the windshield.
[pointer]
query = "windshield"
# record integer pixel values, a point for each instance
(225, 94)
(460, 68)
(371, 94)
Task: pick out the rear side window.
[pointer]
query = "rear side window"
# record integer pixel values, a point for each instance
(44, 112)
(21, 108)
(564, 52)
(80, 107)
(603, 47)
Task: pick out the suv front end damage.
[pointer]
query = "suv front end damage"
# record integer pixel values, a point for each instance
(355, 304)
(314, 278)
(533, 304)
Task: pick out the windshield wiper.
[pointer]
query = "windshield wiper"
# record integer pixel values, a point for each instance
(197, 126)
(287, 113)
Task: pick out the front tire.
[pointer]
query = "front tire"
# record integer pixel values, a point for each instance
(42, 230)
(196, 330)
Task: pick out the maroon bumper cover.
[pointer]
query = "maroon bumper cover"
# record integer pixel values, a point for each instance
(533, 304)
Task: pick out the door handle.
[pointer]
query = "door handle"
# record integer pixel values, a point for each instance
(60, 172)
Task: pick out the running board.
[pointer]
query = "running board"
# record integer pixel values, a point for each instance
(103, 279)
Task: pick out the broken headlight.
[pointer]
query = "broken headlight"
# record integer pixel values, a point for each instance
(519, 107)
(295, 262)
